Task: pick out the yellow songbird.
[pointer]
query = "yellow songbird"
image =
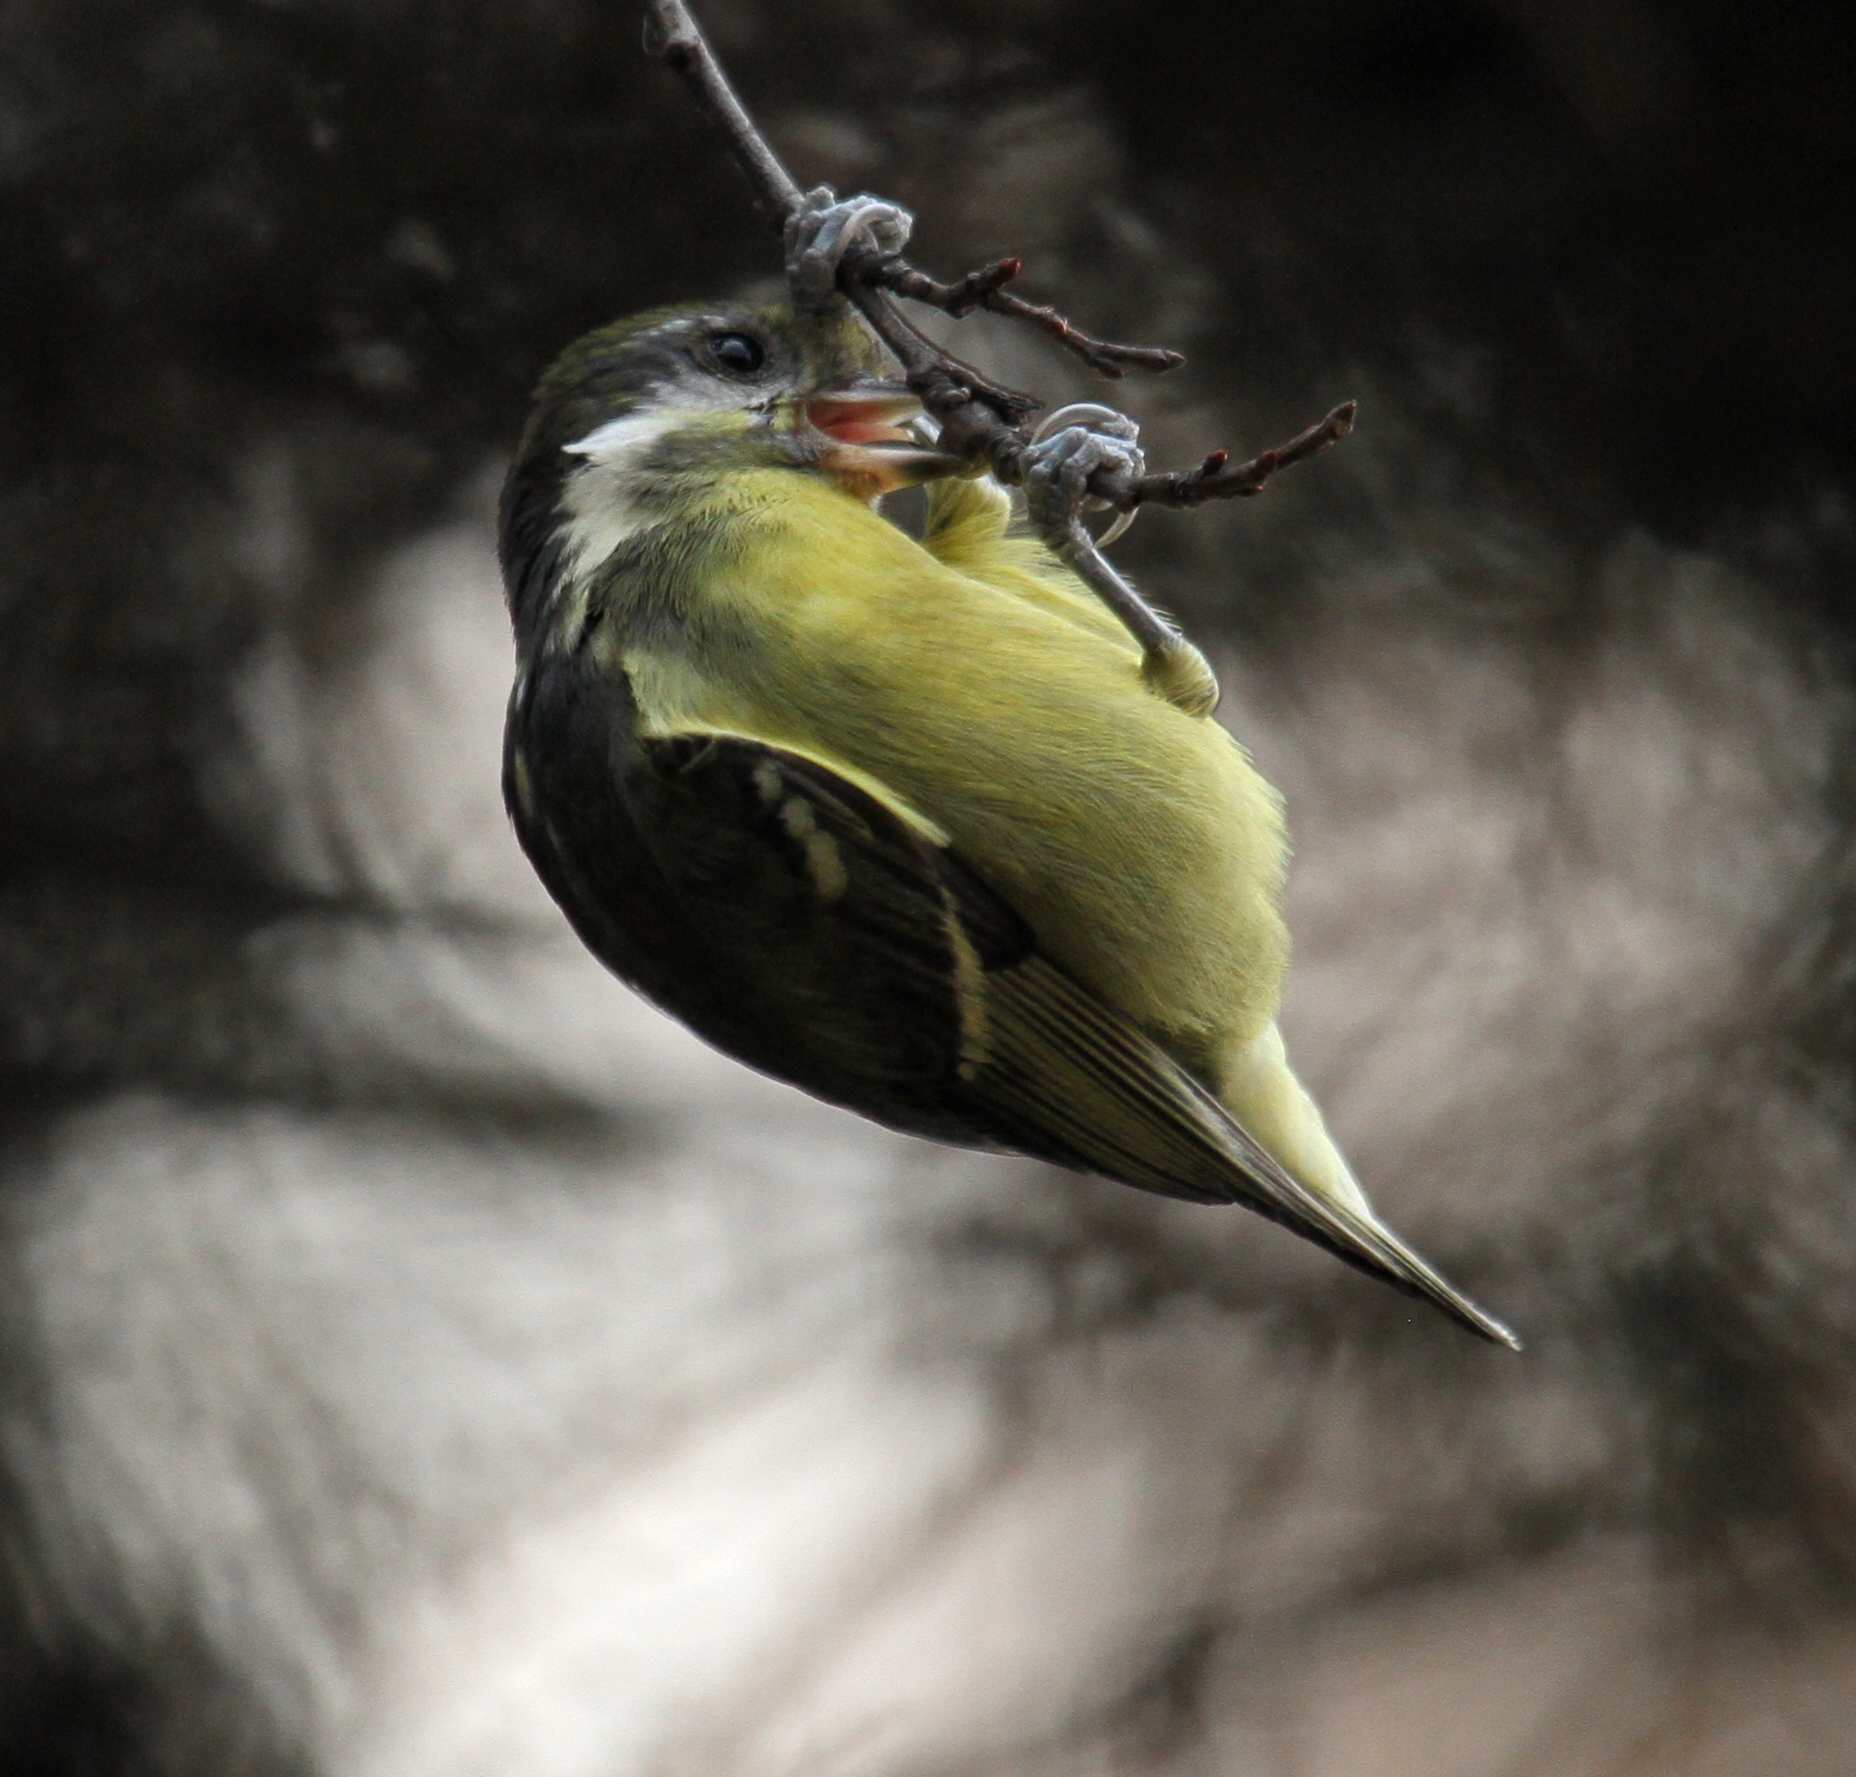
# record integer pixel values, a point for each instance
(897, 821)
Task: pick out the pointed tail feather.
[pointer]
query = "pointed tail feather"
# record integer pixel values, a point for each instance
(1085, 1085)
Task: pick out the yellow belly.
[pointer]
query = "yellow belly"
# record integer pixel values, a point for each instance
(1140, 844)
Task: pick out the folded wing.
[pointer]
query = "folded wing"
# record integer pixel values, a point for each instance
(877, 969)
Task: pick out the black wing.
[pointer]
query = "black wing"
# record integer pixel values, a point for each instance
(822, 932)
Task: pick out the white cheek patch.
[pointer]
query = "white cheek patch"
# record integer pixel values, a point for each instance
(627, 437)
(600, 511)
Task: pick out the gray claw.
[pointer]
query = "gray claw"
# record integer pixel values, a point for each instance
(1057, 472)
(1059, 467)
(825, 227)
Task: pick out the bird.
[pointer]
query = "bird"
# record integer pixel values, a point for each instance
(894, 817)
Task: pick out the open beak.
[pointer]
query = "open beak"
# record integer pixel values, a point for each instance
(868, 444)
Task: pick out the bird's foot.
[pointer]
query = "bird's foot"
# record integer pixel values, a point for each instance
(1057, 472)
(825, 227)
(1058, 468)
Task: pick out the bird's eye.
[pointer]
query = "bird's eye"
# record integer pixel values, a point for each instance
(737, 354)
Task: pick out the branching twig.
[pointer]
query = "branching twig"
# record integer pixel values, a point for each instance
(1219, 479)
(980, 420)
(982, 289)
(960, 298)
(1101, 355)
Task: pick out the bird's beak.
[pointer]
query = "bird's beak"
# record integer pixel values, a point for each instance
(866, 442)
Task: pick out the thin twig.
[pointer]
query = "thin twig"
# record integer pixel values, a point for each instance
(980, 420)
(981, 289)
(947, 385)
(945, 382)
(1101, 355)
(958, 299)
(1219, 479)
(673, 36)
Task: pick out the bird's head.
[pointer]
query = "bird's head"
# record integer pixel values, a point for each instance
(654, 418)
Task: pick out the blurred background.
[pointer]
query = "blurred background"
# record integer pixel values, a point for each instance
(418, 1358)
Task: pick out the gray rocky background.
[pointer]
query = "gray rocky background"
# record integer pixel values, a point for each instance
(417, 1359)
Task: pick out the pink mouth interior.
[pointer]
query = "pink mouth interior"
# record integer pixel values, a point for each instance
(859, 422)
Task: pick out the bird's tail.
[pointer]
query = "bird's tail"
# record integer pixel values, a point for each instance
(1067, 1078)
(1313, 1189)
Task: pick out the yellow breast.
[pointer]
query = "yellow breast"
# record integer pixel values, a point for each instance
(1003, 703)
